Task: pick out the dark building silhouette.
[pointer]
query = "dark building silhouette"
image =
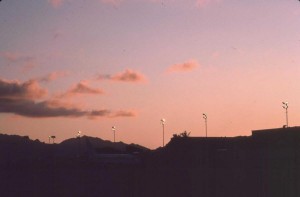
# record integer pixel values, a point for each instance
(265, 164)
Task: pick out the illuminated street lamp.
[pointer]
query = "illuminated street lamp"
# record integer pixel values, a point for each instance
(285, 106)
(52, 137)
(113, 128)
(205, 118)
(163, 121)
(78, 134)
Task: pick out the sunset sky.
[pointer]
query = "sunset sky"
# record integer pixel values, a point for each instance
(70, 65)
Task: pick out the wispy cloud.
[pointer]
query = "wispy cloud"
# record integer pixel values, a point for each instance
(26, 90)
(81, 88)
(111, 114)
(123, 113)
(128, 75)
(11, 57)
(52, 76)
(16, 57)
(27, 62)
(183, 67)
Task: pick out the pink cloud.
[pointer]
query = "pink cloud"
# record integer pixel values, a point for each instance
(184, 67)
(24, 99)
(128, 75)
(53, 76)
(80, 89)
(55, 3)
(83, 88)
(16, 90)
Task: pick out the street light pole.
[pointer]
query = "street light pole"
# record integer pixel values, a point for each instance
(205, 118)
(79, 142)
(113, 128)
(53, 138)
(163, 126)
(285, 106)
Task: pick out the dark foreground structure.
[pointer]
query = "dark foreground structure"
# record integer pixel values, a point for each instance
(265, 164)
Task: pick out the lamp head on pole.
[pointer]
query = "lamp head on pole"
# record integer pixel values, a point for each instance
(163, 121)
(285, 105)
(205, 116)
(113, 128)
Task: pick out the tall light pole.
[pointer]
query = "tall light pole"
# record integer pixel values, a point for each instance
(53, 137)
(205, 118)
(79, 142)
(113, 128)
(163, 121)
(285, 106)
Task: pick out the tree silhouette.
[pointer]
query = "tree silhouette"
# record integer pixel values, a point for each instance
(183, 134)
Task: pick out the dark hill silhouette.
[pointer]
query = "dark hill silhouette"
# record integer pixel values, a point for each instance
(33, 168)
(21, 150)
(15, 148)
(86, 145)
(99, 143)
